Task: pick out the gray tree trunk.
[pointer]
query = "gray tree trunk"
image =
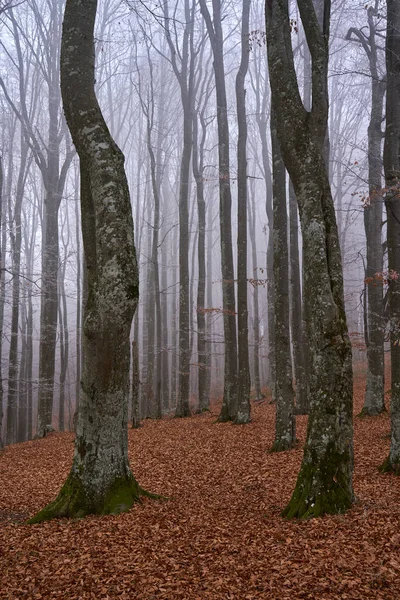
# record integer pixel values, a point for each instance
(374, 403)
(135, 386)
(100, 480)
(391, 162)
(285, 422)
(16, 243)
(243, 401)
(2, 288)
(296, 316)
(185, 77)
(230, 398)
(256, 311)
(324, 484)
(22, 421)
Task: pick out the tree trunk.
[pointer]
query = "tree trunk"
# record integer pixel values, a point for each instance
(256, 311)
(22, 391)
(16, 237)
(230, 398)
(100, 480)
(197, 165)
(285, 424)
(391, 162)
(374, 403)
(2, 286)
(135, 386)
(243, 402)
(64, 344)
(302, 403)
(324, 484)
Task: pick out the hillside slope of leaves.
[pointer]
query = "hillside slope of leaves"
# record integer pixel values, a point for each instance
(220, 534)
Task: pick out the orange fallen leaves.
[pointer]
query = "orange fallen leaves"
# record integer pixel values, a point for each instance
(219, 536)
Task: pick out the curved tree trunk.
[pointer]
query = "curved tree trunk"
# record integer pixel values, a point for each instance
(324, 484)
(100, 480)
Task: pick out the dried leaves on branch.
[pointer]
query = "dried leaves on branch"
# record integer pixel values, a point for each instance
(220, 534)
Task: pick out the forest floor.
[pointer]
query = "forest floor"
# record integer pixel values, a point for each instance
(220, 534)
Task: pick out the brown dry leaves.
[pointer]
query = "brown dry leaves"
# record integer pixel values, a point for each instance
(219, 535)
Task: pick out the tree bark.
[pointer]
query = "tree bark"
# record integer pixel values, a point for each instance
(135, 386)
(296, 321)
(391, 163)
(16, 243)
(374, 402)
(324, 484)
(230, 398)
(243, 401)
(285, 422)
(256, 311)
(100, 480)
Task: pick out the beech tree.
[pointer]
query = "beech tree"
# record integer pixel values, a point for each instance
(391, 161)
(285, 423)
(324, 484)
(243, 403)
(374, 394)
(214, 29)
(100, 480)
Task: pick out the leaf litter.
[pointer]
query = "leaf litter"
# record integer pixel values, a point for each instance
(218, 536)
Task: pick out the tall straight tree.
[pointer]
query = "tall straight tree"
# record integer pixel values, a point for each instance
(243, 402)
(391, 161)
(374, 402)
(324, 484)
(215, 33)
(100, 480)
(184, 72)
(16, 245)
(285, 423)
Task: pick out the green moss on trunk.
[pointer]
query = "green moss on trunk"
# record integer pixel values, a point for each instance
(371, 412)
(321, 487)
(74, 502)
(388, 467)
(283, 445)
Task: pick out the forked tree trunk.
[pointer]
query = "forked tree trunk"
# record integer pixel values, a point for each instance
(100, 480)
(324, 484)
(391, 162)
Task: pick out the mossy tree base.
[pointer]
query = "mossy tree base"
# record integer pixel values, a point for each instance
(241, 419)
(371, 411)
(283, 445)
(389, 467)
(320, 491)
(75, 502)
